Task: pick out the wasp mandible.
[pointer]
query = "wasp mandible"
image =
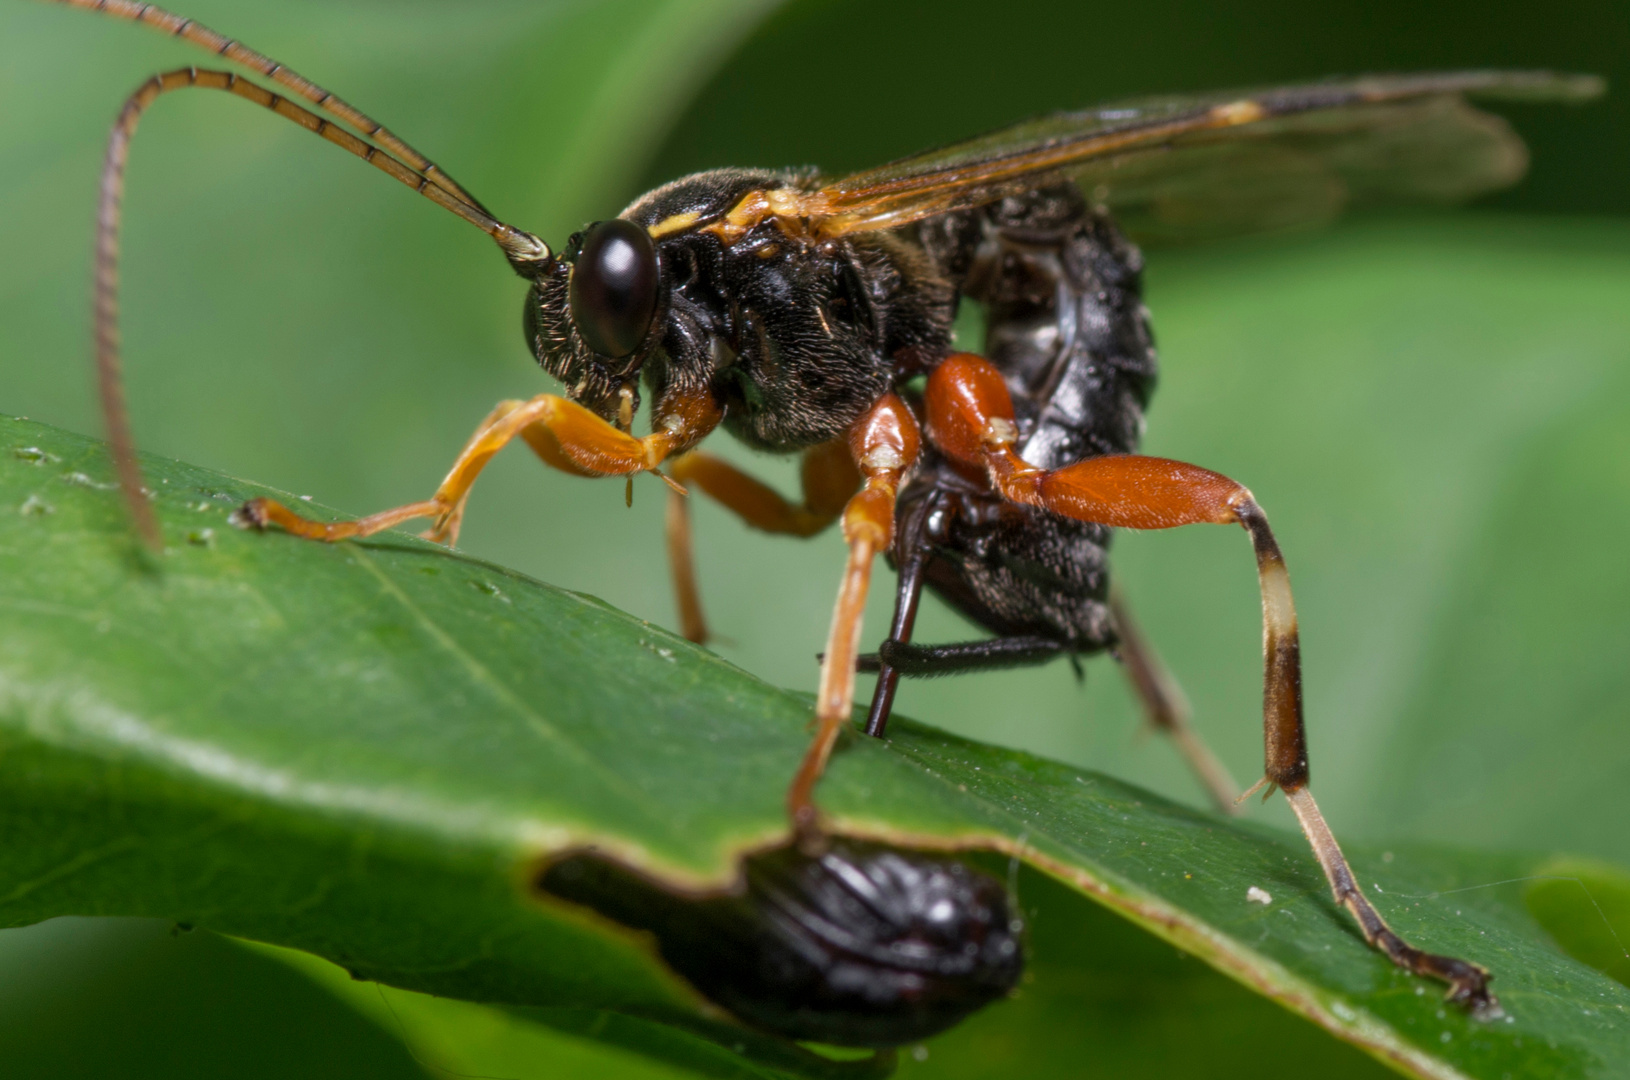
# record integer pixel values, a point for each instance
(813, 316)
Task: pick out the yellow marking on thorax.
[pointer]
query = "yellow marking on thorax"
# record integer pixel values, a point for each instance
(787, 206)
(674, 223)
(1238, 112)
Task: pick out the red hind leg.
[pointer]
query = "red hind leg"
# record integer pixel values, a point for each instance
(970, 418)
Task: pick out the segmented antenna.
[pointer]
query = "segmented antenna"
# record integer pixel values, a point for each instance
(301, 87)
(377, 146)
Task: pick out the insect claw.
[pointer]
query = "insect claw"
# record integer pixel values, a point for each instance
(673, 485)
(445, 526)
(1256, 787)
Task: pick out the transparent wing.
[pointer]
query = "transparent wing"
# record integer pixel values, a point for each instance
(1198, 166)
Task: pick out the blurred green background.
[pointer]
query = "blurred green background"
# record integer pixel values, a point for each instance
(1435, 410)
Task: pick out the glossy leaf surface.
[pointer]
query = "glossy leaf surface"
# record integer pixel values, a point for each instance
(365, 750)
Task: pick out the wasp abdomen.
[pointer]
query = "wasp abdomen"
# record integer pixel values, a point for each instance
(1067, 329)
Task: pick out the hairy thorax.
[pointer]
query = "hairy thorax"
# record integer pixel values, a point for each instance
(795, 335)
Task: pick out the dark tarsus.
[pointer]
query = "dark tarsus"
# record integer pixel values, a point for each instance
(1067, 327)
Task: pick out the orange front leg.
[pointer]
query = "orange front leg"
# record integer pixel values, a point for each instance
(884, 444)
(562, 433)
(829, 477)
(970, 418)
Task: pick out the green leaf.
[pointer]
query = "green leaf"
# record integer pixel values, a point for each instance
(461, 1037)
(169, 1004)
(1585, 904)
(1097, 991)
(365, 750)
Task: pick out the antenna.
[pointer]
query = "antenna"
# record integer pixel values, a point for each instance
(370, 141)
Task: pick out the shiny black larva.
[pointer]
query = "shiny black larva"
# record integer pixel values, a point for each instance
(859, 945)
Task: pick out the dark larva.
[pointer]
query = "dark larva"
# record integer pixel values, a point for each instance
(864, 945)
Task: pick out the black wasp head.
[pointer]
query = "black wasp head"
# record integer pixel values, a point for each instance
(589, 314)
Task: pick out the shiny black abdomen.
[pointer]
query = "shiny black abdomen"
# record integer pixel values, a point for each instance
(1067, 327)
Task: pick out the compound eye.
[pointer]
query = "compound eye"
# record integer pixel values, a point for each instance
(614, 287)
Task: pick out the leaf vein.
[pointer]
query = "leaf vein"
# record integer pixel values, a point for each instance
(484, 676)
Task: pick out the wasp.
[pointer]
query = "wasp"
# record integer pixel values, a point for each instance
(812, 316)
